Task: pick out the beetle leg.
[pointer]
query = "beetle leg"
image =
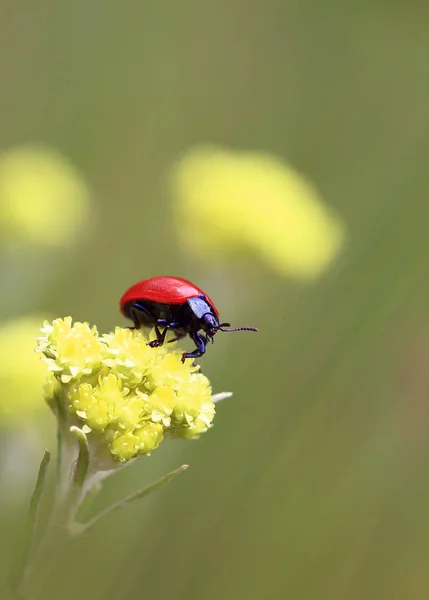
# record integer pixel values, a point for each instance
(135, 318)
(200, 342)
(160, 337)
(134, 314)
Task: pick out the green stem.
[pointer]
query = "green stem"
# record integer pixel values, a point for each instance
(59, 454)
(58, 533)
(75, 495)
(31, 521)
(79, 528)
(62, 527)
(42, 564)
(65, 444)
(82, 463)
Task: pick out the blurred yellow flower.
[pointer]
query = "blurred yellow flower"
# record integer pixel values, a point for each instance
(227, 202)
(44, 200)
(22, 373)
(125, 396)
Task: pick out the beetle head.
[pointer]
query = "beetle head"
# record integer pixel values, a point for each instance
(211, 326)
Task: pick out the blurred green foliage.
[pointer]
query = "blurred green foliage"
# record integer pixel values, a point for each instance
(314, 482)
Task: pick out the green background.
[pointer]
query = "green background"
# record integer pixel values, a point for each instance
(314, 482)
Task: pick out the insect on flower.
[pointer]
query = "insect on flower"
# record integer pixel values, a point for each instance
(174, 304)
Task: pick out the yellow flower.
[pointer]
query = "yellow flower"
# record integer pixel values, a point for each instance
(130, 358)
(70, 350)
(22, 373)
(160, 405)
(195, 410)
(43, 198)
(123, 394)
(229, 202)
(168, 369)
(140, 441)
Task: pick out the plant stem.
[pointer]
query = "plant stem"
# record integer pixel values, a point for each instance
(62, 527)
(44, 559)
(58, 532)
(31, 522)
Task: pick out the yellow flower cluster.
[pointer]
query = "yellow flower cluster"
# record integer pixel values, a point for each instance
(227, 203)
(122, 392)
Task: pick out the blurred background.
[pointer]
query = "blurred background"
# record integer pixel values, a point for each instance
(275, 153)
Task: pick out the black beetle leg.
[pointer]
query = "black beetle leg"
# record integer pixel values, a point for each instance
(200, 342)
(135, 317)
(134, 314)
(160, 337)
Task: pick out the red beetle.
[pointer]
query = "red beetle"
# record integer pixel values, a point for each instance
(172, 303)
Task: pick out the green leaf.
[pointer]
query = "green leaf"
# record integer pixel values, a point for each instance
(78, 528)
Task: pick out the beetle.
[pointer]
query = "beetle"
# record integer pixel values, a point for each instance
(174, 304)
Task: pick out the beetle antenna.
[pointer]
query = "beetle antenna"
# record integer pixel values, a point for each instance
(223, 325)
